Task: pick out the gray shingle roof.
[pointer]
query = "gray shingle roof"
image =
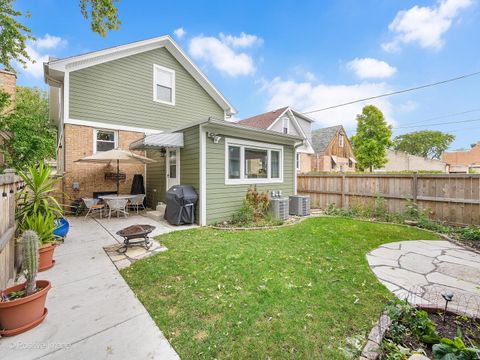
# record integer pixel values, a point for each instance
(321, 138)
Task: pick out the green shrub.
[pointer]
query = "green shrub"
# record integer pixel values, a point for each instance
(471, 233)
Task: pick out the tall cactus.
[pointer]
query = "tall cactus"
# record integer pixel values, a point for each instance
(29, 241)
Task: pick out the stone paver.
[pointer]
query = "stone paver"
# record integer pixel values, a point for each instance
(92, 313)
(420, 271)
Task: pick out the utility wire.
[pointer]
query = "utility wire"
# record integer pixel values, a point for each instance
(448, 115)
(444, 123)
(395, 92)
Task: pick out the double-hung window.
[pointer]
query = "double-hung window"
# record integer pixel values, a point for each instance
(341, 140)
(104, 140)
(163, 85)
(285, 123)
(248, 162)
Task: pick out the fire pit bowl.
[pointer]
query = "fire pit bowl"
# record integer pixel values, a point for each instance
(135, 232)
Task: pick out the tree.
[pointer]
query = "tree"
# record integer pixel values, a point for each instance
(103, 15)
(30, 135)
(372, 139)
(426, 143)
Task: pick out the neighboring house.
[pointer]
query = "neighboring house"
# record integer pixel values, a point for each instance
(8, 84)
(149, 96)
(287, 121)
(333, 151)
(402, 161)
(462, 160)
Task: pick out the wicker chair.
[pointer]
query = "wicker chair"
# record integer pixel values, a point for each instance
(117, 205)
(93, 206)
(137, 202)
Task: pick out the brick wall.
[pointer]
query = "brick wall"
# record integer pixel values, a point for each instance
(8, 83)
(78, 144)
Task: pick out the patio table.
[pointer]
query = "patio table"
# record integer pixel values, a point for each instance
(114, 197)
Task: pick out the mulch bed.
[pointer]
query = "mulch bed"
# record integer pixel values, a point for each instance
(470, 329)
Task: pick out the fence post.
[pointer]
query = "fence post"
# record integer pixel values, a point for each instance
(343, 203)
(415, 187)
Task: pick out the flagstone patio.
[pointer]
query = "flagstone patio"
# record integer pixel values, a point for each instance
(421, 271)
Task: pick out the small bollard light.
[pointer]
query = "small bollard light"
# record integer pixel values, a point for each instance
(448, 297)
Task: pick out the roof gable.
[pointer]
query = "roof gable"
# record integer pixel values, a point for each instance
(265, 120)
(54, 69)
(321, 138)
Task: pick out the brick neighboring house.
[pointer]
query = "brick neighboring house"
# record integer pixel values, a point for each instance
(464, 158)
(286, 120)
(8, 84)
(333, 151)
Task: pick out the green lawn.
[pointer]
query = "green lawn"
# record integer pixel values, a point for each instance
(294, 292)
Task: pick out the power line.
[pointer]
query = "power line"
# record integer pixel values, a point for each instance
(437, 124)
(447, 115)
(396, 92)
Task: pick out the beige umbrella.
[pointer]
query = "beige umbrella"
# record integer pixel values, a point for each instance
(117, 155)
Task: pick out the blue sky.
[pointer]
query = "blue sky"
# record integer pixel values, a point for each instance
(309, 54)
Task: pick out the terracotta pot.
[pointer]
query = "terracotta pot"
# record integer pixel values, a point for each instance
(46, 258)
(20, 315)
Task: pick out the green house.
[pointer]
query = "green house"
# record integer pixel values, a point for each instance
(148, 96)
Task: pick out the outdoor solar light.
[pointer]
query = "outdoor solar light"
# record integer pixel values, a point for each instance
(448, 297)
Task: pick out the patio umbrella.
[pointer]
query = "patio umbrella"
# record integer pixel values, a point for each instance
(120, 156)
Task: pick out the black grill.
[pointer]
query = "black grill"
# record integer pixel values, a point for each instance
(181, 200)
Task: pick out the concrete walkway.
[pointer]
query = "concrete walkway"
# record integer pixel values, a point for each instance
(421, 271)
(93, 314)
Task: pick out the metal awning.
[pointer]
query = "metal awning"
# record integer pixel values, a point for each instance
(334, 158)
(353, 160)
(158, 141)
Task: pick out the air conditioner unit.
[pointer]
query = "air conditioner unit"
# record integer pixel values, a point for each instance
(279, 208)
(299, 205)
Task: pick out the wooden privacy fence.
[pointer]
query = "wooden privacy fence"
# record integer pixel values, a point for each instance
(453, 198)
(9, 184)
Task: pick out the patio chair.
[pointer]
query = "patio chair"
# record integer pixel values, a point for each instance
(93, 206)
(117, 205)
(137, 201)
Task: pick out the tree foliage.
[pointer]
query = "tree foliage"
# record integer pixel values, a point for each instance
(13, 36)
(427, 143)
(372, 139)
(103, 15)
(30, 136)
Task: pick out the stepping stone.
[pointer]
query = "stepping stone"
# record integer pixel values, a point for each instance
(465, 255)
(462, 272)
(418, 263)
(400, 277)
(422, 248)
(378, 261)
(387, 253)
(451, 281)
(393, 246)
(457, 260)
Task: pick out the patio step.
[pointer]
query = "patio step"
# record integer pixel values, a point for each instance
(155, 215)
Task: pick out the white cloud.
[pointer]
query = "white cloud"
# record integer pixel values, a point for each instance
(369, 68)
(49, 42)
(180, 32)
(300, 71)
(424, 25)
(220, 54)
(36, 51)
(306, 96)
(244, 40)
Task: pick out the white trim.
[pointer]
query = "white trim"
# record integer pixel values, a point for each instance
(203, 177)
(108, 126)
(115, 139)
(295, 176)
(277, 119)
(256, 145)
(98, 57)
(66, 96)
(173, 88)
(287, 120)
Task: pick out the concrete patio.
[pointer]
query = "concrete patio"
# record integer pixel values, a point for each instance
(92, 312)
(421, 271)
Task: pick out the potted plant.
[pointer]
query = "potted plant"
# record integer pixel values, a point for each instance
(44, 226)
(22, 307)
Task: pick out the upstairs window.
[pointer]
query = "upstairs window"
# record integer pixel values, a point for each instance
(104, 140)
(163, 85)
(341, 140)
(286, 123)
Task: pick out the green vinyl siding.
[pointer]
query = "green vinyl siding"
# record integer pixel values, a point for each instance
(224, 200)
(121, 92)
(156, 178)
(190, 161)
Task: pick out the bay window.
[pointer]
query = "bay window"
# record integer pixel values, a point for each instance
(249, 162)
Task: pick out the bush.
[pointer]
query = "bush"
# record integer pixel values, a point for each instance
(254, 210)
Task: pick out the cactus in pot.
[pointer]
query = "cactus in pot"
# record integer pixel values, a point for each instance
(29, 240)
